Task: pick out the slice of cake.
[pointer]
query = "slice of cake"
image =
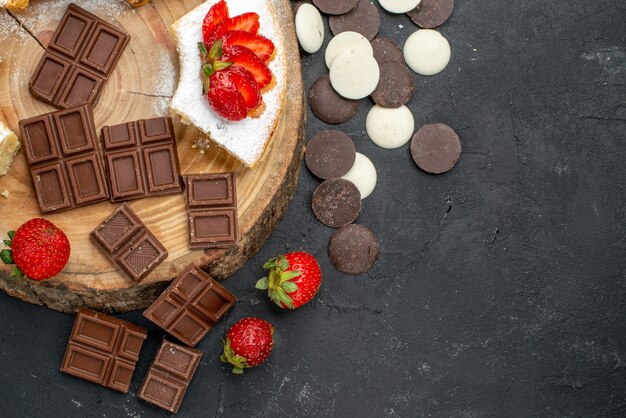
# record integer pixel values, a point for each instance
(9, 146)
(247, 138)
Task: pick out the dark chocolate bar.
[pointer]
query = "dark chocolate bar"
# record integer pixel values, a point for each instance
(64, 158)
(103, 349)
(141, 159)
(190, 306)
(212, 207)
(129, 243)
(78, 61)
(169, 375)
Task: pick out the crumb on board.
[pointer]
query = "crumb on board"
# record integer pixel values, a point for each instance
(5, 194)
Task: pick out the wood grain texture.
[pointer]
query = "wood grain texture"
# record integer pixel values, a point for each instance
(135, 91)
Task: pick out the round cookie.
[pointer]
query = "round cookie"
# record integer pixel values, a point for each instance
(363, 175)
(396, 85)
(327, 105)
(390, 128)
(364, 19)
(335, 7)
(353, 249)
(336, 202)
(436, 148)
(427, 52)
(330, 154)
(399, 6)
(354, 75)
(348, 40)
(386, 50)
(431, 13)
(309, 28)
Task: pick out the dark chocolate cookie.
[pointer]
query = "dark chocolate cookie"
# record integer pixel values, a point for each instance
(364, 19)
(330, 154)
(335, 7)
(386, 50)
(396, 85)
(328, 105)
(336, 202)
(436, 148)
(353, 249)
(431, 13)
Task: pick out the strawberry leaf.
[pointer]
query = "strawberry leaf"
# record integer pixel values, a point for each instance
(283, 264)
(262, 284)
(289, 275)
(215, 53)
(284, 298)
(270, 264)
(17, 272)
(203, 50)
(237, 370)
(11, 234)
(289, 287)
(7, 257)
(8, 242)
(221, 65)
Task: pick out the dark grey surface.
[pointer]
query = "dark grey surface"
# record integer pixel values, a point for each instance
(501, 285)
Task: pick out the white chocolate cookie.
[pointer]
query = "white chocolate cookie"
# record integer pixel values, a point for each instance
(363, 175)
(346, 41)
(390, 128)
(427, 52)
(354, 74)
(309, 28)
(399, 6)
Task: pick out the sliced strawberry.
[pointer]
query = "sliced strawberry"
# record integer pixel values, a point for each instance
(217, 13)
(260, 45)
(243, 57)
(246, 85)
(248, 22)
(225, 98)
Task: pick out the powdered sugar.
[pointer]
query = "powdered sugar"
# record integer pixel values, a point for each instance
(244, 139)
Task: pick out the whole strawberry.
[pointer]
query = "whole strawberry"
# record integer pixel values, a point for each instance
(248, 343)
(39, 250)
(293, 279)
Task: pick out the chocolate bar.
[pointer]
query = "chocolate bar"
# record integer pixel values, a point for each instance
(103, 349)
(64, 158)
(129, 243)
(212, 208)
(190, 306)
(169, 375)
(141, 159)
(78, 61)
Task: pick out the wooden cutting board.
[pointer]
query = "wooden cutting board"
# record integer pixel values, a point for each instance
(140, 87)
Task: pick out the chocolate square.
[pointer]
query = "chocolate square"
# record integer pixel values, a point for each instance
(122, 135)
(142, 160)
(48, 77)
(213, 228)
(51, 187)
(169, 375)
(190, 306)
(98, 350)
(78, 61)
(65, 161)
(83, 86)
(104, 47)
(129, 244)
(212, 209)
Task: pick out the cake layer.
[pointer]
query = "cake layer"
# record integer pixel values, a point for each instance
(246, 139)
